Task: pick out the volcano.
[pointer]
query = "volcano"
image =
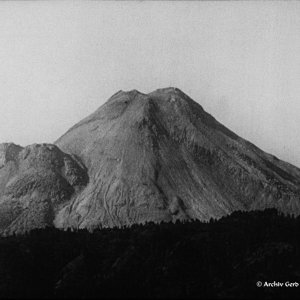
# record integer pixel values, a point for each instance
(139, 158)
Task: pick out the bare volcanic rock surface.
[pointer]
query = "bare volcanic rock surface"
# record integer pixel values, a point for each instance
(161, 157)
(35, 182)
(139, 158)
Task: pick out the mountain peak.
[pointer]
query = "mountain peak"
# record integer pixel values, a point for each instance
(144, 157)
(134, 92)
(167, 90)
(8, 152)
(130, 93)
(160, 156)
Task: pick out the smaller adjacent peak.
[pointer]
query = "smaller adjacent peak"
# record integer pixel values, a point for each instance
(46, 146)
(8, 152)
(9, 145)
(37, 151)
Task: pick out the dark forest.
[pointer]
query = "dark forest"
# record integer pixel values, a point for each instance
(219, 259)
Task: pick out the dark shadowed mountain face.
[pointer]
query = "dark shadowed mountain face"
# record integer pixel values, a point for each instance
(155, 157)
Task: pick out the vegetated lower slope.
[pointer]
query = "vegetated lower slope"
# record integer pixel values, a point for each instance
(161, 157)
(35, 182)
(220, 259)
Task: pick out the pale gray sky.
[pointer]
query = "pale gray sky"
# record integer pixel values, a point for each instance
(59, 61)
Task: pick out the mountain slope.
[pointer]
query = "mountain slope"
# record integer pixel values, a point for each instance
(160, 156)
(138, 158)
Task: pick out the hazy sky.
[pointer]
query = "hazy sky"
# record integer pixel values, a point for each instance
(59, 61)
